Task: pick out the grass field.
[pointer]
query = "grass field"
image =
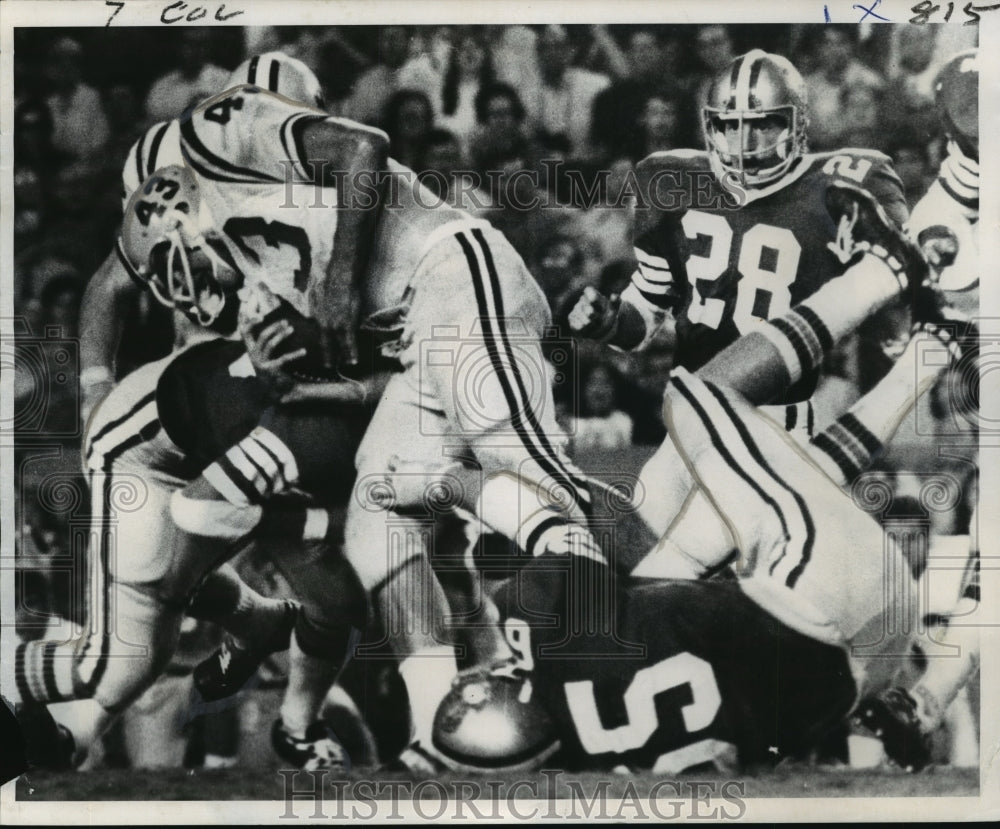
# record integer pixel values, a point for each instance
(268, 784)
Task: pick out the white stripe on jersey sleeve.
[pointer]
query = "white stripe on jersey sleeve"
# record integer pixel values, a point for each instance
(652, 315)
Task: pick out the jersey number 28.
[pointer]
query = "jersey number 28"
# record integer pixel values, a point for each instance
(768, 262)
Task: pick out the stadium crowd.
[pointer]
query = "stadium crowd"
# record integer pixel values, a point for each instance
(535, 128)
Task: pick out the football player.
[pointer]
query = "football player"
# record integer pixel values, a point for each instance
(733, 236)
(467, 314)
(945, 223)
(114, 289)
(145, 443)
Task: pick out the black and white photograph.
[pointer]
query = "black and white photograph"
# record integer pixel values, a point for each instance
(524, 412)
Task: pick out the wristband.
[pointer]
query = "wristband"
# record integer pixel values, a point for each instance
(92, 375)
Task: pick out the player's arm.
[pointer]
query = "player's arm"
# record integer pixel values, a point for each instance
(630, 321)
(110, 293)
(352, 158)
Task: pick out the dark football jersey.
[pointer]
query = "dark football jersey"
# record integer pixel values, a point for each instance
(723, 259)
(667, 675)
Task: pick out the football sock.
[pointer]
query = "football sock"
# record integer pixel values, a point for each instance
(805, 334)
(849, 445)
(43, 672)
(523, 511)
(309, 681)
(428, 675)
(250, 618)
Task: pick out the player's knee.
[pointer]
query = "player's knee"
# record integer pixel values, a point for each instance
(209, 518)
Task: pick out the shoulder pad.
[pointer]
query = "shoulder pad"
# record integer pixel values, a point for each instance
(675, 160)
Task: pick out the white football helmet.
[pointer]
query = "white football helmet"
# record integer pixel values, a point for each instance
(490, 722)
(279, 73)
(163, 239)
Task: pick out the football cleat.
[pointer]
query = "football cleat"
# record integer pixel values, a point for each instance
(863, 227)
(319, 749)
(891, 715)
(490, 722)
(49, 745)
(231, 667)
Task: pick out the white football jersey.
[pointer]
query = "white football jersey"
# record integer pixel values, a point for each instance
(245, 147)
(950, 210)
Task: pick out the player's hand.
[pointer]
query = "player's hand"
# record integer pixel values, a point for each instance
(594, 316)
(262, 348)
(939, 249)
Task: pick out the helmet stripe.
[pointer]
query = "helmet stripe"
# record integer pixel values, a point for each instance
(750, 62)
(138, 157)
(272, 80)
(252, 71)
(154, 148)
(755, 67)
(733, 77)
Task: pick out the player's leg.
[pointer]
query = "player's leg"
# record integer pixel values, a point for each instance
(853, 442)
(491, 378)
(391, 549)
(239, 496)
(131, 629)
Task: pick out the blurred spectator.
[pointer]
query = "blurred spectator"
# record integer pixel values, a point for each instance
(604, 228)
(565, 98)
(446, 174)
(408, 119)
(195, 79)
(838, 69)
(501, 134)
(658, 123)
(600, 423)
(515, 58)
(393, 71)
(861, 117)
(909, 97)
(713, 46)
(617, 108)
(911, 159)
(469, 69)
(560, 274)
(79, 127)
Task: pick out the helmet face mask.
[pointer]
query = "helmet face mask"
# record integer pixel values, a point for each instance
(756, 117)
(164, 242)
(760, 147)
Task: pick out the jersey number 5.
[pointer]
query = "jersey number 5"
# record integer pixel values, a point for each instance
(768, 262)
(672, 672)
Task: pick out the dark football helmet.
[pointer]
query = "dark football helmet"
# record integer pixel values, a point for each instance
(490, 721)
(956, 93)
(756, 117)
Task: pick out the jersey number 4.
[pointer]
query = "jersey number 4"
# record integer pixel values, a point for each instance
(768, 262)
(640, 705)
